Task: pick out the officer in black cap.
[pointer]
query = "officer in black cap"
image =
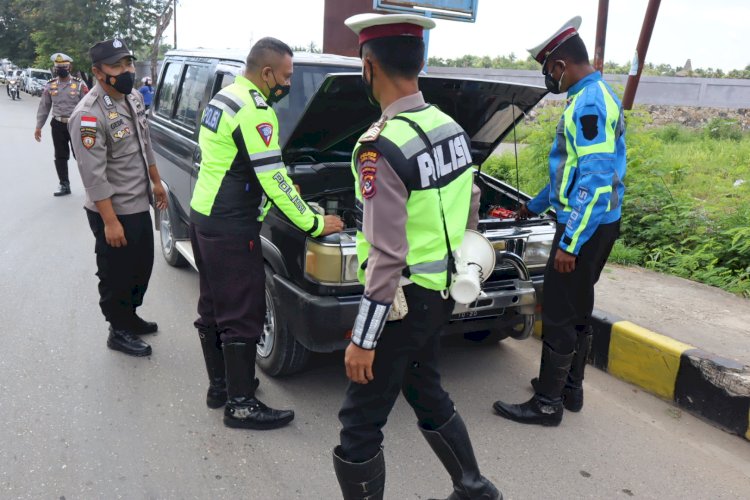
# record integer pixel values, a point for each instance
(111, 140)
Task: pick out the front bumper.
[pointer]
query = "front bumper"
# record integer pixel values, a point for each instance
(324, 323)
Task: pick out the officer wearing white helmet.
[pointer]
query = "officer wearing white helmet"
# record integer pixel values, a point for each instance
(402, 240)
(61, 95)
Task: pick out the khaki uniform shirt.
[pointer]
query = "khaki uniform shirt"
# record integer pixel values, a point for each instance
(61, 97)
(112, 145)
(384, 218)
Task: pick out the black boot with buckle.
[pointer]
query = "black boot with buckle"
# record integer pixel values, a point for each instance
(572, 394)
(546, 407)
(452, 445)
(360, 481)
(216, 397)
(243, 409)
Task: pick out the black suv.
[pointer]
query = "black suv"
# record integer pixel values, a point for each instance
(312, 292)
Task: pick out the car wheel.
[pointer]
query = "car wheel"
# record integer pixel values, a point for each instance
(168, 248)
(278, 352)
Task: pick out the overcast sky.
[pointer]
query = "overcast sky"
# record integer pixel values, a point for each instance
(711, 33)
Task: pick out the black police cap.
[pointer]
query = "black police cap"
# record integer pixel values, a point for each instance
(109, 51)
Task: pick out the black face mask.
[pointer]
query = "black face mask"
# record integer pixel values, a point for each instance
(553, 85)
(368, 87)
(123, 83)
(62, 72)
(277, 92)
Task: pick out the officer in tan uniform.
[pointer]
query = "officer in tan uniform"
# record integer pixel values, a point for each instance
(61, 95)
(110, 137)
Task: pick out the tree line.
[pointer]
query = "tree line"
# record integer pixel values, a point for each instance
(511, 61)
(32, 30)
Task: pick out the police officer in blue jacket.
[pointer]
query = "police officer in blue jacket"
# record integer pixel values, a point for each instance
(586, 168)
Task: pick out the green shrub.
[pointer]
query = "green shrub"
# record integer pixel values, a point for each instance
(723, 128)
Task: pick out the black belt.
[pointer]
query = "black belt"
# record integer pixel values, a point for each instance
(62, 119)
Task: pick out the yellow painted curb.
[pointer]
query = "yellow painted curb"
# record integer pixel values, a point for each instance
(538, 329)
(645, 358)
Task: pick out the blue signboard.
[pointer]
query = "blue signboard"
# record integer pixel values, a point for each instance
(454, 10)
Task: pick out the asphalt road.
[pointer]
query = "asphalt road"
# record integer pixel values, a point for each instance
(78, 420)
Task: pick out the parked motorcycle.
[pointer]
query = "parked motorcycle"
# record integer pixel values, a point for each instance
(13, 89)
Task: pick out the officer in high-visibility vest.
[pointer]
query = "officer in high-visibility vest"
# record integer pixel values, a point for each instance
(587, 168)
(414, 184)
(241, 174)
(61, 95)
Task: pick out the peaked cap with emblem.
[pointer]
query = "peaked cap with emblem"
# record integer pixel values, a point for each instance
(109, 51)
(371, 26)
(60, 58)
(567, 31)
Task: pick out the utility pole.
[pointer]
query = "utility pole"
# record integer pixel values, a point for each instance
(601, 35)
(174, 9)
(640, 56)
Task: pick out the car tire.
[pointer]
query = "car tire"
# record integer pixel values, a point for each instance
(278, 352)
(167, 240)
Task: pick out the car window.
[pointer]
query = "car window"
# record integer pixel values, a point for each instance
(42, 75)
(191, 94)
(166, 93)
(222, 80)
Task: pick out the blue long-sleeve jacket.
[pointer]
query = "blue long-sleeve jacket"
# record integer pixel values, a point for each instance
(586, 163)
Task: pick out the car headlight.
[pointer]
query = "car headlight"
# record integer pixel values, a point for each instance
(330, 264)
(537, 251)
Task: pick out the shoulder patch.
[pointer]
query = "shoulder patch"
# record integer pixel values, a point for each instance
(367, 181)
(368, 156)
(258, 99)
(374, 131)
(88, 131)
(266, 132)
(590, 126)
(212, 117)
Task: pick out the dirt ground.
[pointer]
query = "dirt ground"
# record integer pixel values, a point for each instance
(700, 315)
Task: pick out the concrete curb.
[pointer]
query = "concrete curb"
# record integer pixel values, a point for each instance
(709, 386)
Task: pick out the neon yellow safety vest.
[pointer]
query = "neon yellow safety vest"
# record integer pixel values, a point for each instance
(242, 171)
(449, 166)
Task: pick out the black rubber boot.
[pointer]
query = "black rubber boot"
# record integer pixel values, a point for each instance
(216, 397)
(452, 446)
(360, 481)
(572, 394)
(128, 342)
(243, 409)
(546, 407)
(63, 189)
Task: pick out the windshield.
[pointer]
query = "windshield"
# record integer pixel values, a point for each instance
(41, 75)
(305, 81)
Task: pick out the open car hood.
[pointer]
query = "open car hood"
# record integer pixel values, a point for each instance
(339, 112)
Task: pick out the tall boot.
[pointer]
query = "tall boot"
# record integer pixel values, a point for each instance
(243, 409)
(572, 394)
(62, 173)
(546, 407)
(452, 446)
(216, 396)
(360, 481)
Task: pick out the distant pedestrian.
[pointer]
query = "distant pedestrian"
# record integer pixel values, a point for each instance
(61, 94)
(147, 91)
(113, 148)
(586, 169)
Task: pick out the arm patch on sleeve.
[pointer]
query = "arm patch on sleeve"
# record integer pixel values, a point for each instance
(211, 118)
(590, 126)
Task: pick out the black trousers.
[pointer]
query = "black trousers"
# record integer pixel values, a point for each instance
(61, 141)
(232, 283)
(123, 272)
(569, 297)
(406, 359)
